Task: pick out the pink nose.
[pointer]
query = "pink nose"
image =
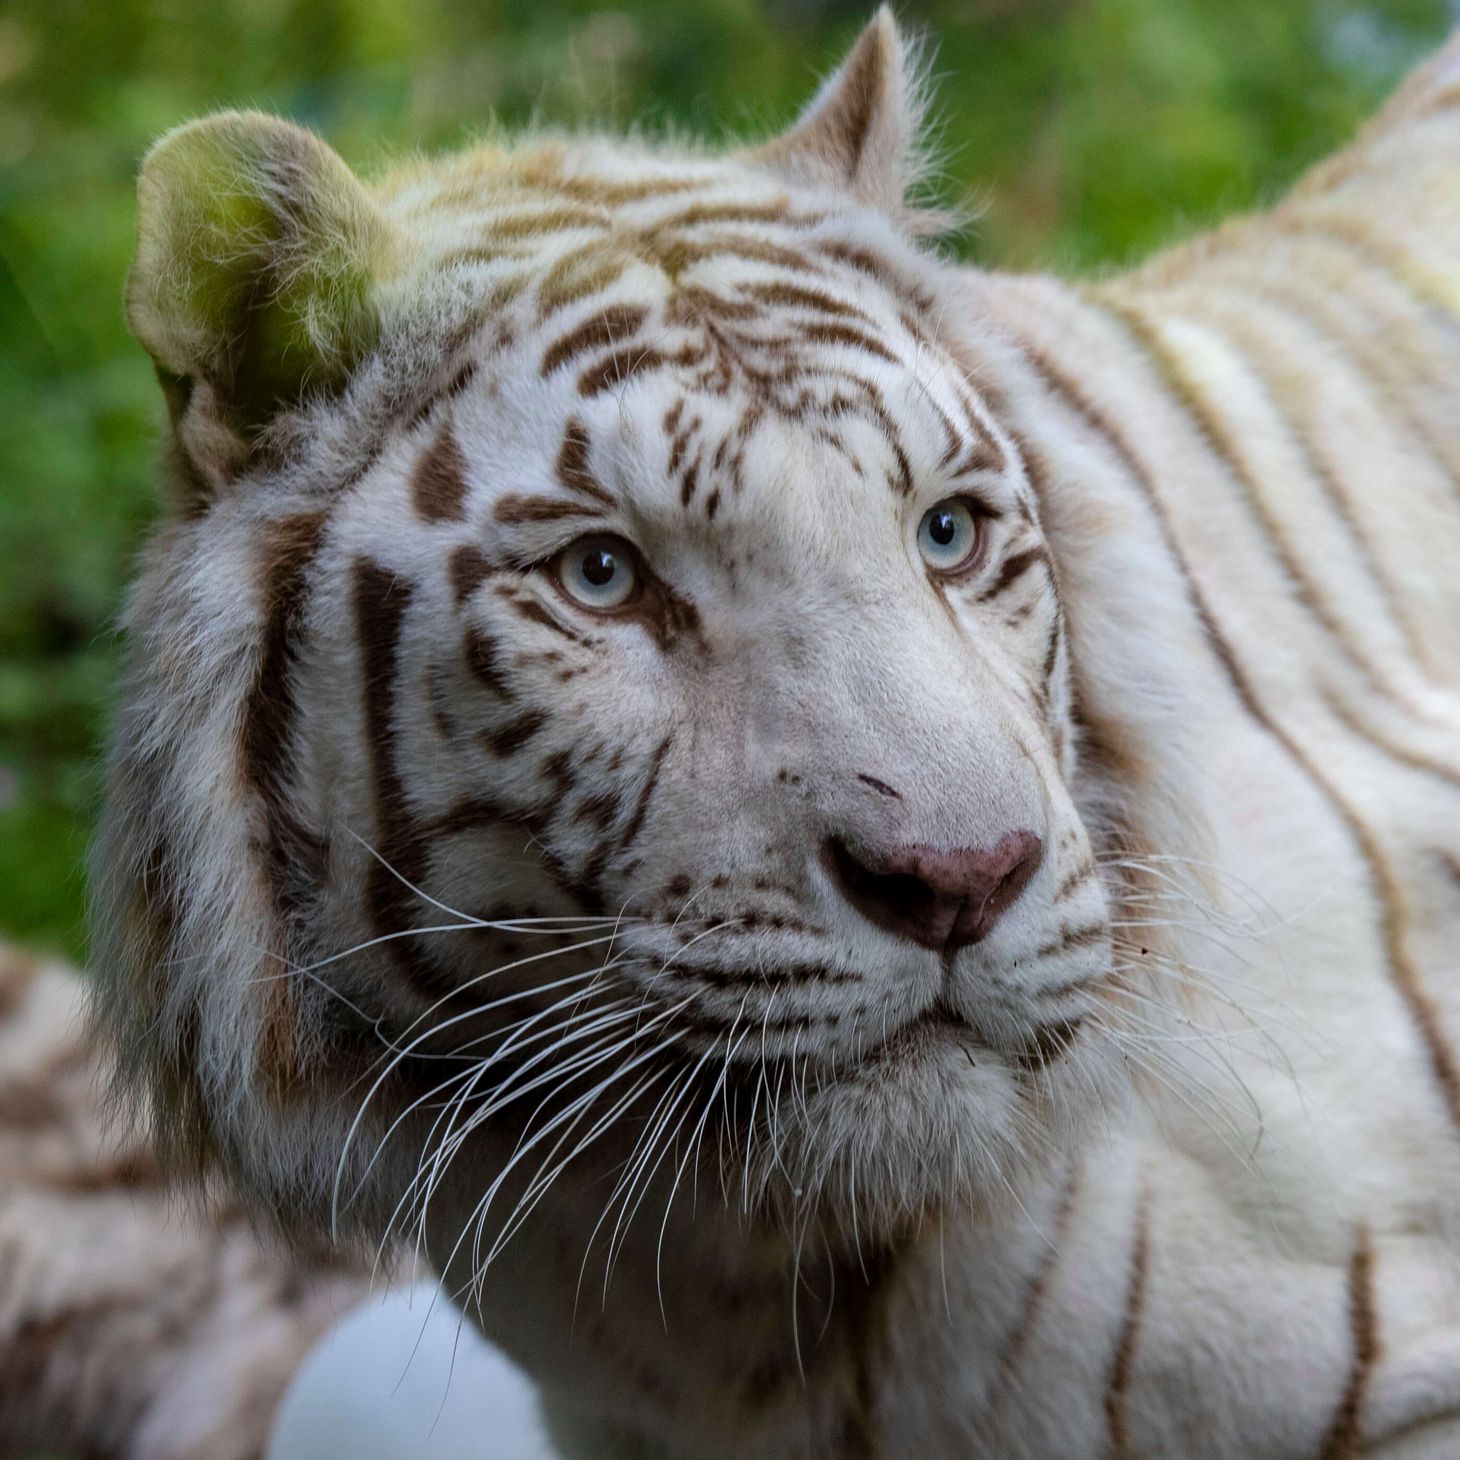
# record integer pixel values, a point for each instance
(944, 900)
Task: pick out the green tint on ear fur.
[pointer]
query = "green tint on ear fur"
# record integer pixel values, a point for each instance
(257, 256)
(860, 135)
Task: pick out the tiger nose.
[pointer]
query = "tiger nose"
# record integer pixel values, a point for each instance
(943, 899)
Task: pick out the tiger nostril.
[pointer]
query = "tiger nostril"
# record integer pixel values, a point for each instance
(943, 899)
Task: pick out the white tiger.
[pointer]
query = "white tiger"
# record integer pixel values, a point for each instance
(867, 852)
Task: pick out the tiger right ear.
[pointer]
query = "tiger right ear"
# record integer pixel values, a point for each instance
(859, 136)
(258, 259)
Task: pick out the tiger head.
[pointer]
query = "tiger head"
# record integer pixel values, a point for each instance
(604, 663)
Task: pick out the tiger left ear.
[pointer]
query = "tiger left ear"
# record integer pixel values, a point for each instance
(859, 136)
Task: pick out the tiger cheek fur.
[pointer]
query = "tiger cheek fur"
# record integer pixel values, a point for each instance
(671, 742)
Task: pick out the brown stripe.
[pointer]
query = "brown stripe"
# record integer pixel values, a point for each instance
(621, 367)
(676, 254)
(1122, 1365)
(1047, 1043)
(688, 482)
(841, 334)
(549, 220)
(547, 175)
(798, 296)
(1017, 1342)
(1051, 656)
(609, 327)
(1402, 970)
(1331, 486)
(1214, 433)
(779, 975)
(290, 546)
(467, 568)
(515, 733)
(380, 603)
(578, 275)
(1414, 759)
(751, 213)
(1074, 938)
(1352, 329)
(647, 790)
(513, 509)
(908, 289)
(482, 662)
(1012, 570)
(438, 484)
(534, 612)
(1075, 879)
(869, 401)
(1345, 1433)
(572, 464)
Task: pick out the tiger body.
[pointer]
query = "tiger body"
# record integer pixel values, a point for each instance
(432, 902)
(128, 1326)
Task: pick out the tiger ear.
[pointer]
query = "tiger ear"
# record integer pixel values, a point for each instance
(859, 135)
(258, 256)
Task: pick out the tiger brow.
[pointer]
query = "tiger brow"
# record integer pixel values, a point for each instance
(518, 507)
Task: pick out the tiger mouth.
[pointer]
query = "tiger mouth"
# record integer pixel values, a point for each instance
(940, 1026)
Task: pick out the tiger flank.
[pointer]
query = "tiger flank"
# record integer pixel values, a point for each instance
(867, 853)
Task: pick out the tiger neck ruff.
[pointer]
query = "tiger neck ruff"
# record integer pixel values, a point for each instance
(867, 852)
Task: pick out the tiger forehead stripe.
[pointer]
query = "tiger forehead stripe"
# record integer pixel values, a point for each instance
(572, 467)
(781, 292)
(438, 483)
(620, 367)
(514, 508)
(607, 328)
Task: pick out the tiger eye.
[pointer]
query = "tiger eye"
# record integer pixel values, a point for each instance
(948, 536)
(599, 572)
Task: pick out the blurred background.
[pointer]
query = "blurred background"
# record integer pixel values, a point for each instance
(1089, 131)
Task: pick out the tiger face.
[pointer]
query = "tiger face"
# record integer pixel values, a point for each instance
(607, 644)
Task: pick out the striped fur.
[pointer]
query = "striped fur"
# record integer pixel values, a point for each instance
(127, 1328)
(432, 901)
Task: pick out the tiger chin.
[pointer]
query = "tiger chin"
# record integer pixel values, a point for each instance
(677, 747)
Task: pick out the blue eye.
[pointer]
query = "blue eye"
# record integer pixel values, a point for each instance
(598, 572)
(948, 536)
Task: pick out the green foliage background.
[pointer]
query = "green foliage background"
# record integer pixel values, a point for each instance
(1089, 130)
